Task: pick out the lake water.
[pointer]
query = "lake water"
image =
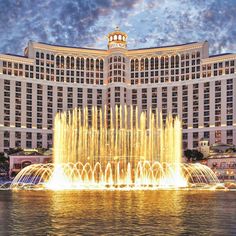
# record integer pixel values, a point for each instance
(117, 213)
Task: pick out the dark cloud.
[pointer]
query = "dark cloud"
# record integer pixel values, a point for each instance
(148, 22)
(219, 21)
(56, 21)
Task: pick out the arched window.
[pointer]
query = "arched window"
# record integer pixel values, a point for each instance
(67, 62)
(78, 63)
(162, 62)
(72, 63)
(156, 63)
(82, 63)
(48, 56)
(92, 64)
(146, 63)
(166, 62)
(132, 65)
(101, 65)
(123, 38)
(119, 37)
(142, 64)
(57, 61)
(37, 54)
(42, 55)
(115, 37)
(177, 61)
(87, 64)
(172, 61)
(136, 64)
(62, 61)
(115, 59)
(110, 38)
(97, 64)
(152, 63)
(119, 59)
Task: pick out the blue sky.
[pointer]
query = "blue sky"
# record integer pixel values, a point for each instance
(148, 23)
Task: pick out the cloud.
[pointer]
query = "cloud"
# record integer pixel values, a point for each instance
(149, 23)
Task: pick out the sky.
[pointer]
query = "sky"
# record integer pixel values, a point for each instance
(148, 23)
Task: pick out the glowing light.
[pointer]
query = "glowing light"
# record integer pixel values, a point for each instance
(129, 150)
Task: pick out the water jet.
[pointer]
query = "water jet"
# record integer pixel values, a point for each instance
(120, 149)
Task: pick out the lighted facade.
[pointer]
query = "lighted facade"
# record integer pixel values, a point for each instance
(180, 79)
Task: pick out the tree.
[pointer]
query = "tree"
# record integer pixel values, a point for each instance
(197, 156)
(2, 157)
(193, 155)
(4, 162)
(188, 154)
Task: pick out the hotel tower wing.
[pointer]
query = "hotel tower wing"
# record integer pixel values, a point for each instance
(182, 80)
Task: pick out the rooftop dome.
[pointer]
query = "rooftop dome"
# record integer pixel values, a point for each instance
(117, 39)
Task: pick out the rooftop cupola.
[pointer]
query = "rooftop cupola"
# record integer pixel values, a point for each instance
(117, 39)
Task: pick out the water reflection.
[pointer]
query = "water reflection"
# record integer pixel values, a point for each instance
(117, 213)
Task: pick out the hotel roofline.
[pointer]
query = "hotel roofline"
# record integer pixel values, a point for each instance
(152, 51)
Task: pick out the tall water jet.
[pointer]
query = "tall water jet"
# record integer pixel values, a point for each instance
(119, 148)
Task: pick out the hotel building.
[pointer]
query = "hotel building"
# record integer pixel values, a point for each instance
(181, 79)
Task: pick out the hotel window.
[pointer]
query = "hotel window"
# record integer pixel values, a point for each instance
(6, 143)
(206, 134)
(6, 134)
(218, 136)
(195, 144)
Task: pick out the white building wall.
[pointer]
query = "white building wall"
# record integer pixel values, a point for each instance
(105, 87)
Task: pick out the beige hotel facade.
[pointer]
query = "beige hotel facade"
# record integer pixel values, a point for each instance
(181, 79)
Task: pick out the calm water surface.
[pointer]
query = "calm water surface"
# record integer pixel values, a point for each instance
(117, 213)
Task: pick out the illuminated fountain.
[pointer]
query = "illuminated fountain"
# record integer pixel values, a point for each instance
(121, 149)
